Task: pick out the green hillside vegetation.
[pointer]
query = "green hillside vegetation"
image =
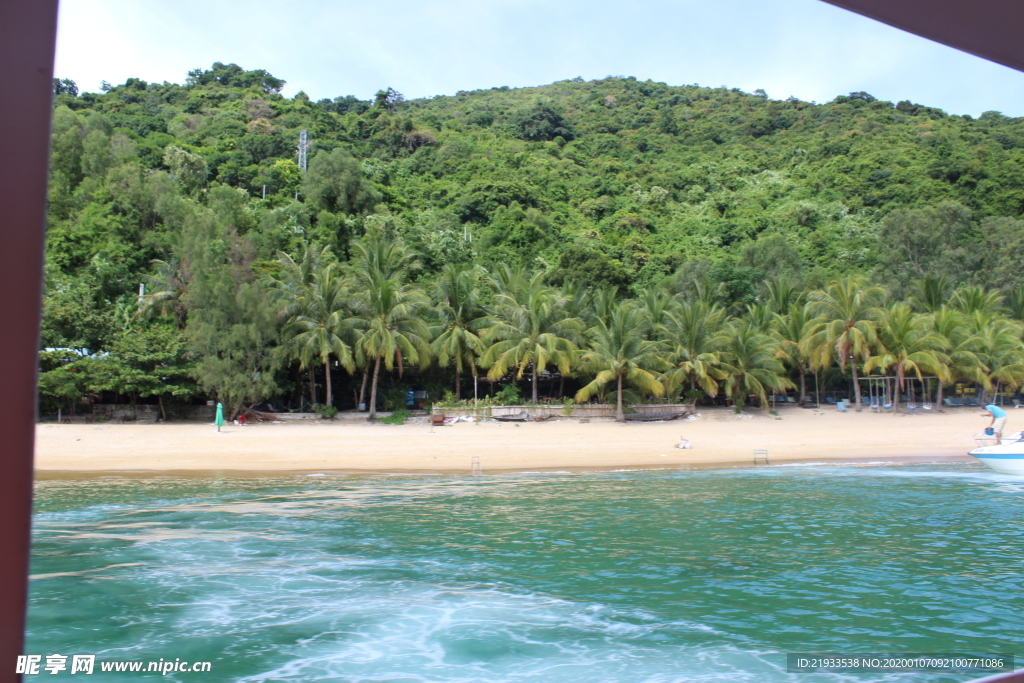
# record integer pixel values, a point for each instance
(589, 234)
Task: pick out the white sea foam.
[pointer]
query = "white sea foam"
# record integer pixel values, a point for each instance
(493, 635)
(634, 578)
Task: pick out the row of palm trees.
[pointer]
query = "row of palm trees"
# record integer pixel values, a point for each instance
(363, 315)
(366, 313)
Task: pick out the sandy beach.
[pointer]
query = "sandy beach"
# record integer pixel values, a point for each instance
(719, 437)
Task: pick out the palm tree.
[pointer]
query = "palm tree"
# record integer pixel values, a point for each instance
(971, 298)
(907, 341)
(324, 326)
(579, 304)
(792, 332)
(780, 294)
(693, 287)
(845, 330)
(1006, 362)
(298, 288)
(1000, 348)
(692, 335)
(297, 275)
(750, 360)
(392, 328)
(962, 349)
(619, 352)
(603, 303)
(164, 292)
(930, 293)
(1015, 302)
(578, 299)
(657, 304)
(530, 329)
(461, 317)
(759, 316)
(512, 280)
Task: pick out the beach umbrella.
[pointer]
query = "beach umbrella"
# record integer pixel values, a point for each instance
(219, 420)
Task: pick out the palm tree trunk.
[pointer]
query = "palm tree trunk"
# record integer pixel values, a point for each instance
(163, 413)
(534, 383)
(312, 385)
(561, 386)
(619, 415)
(899, 388)
(362, 389)
(458, 388)
(373, 390)
(803, 383)
(327, 380)
(938, 395)
(856, 385)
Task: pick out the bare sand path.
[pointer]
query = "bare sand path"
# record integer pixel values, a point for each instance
(718, 437)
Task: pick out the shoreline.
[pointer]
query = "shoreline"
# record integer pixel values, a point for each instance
(720, 440)
(45, 475)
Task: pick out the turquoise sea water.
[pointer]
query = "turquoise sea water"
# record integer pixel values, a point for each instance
(653, 577)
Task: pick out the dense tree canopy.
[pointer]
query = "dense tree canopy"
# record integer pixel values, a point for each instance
(731, 205)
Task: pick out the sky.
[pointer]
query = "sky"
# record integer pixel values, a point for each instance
(329, 48)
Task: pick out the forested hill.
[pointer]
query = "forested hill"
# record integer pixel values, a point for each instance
(615, 181)
(619, 178)
(261, 278)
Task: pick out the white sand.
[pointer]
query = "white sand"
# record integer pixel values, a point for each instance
(719, 437)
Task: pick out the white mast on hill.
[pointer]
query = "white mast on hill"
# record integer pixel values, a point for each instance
(303, 143)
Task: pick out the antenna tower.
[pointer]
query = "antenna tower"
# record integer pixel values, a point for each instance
(303, 143)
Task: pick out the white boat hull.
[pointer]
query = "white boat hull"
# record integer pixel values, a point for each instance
(1006, 458)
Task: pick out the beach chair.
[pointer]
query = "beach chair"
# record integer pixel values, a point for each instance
(948, 402)
(970, 402)
(1017, 403)
(829, 400)
(841, 406)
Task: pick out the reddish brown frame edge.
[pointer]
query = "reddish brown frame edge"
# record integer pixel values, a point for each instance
(27, 40)
(28, 31)
(989, 29)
